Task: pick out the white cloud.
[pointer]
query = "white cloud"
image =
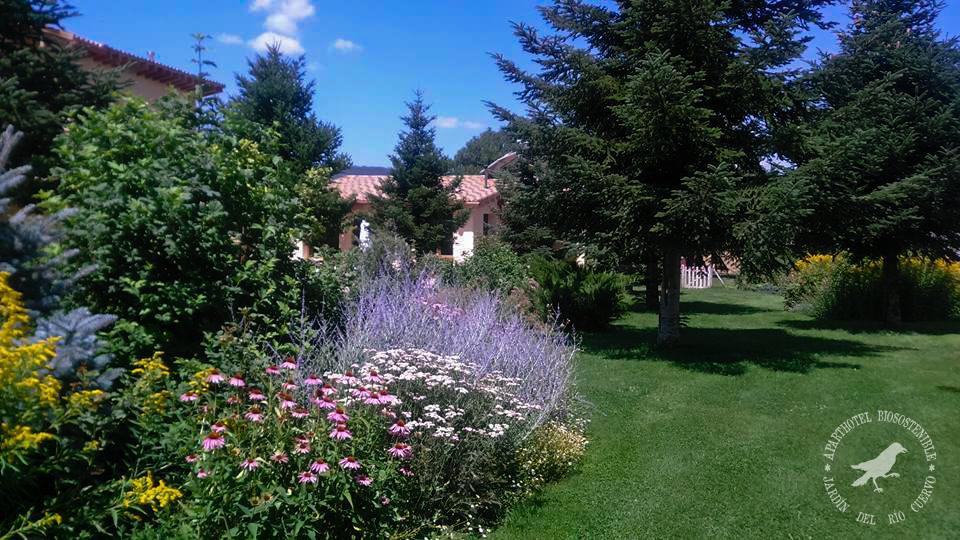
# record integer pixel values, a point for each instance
(345, 45)
(260, 4)
(451, 122)
(229, 39)
(288, 45)
(278, 22)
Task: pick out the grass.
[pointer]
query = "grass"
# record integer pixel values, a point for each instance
(722, 437)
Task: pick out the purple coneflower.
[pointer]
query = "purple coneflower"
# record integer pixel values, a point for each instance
(319, 466)
(215, 377)
(360, 392)
(348, 378)
(405, 471)
(307, 477)
(386, 398)
(189, 396)
(286, 400)
(213, 441)
(202, 473)
(400, 451)
(372, 399)
(374, 377)
(288, 363)
(192, 458)
(289, 385)
(254, 414)
(400, 429)
(302, 448)
(273, 370)
(233, 400)
(279, 457)
(328, 389)
(326, 403)
(300, 412)
(364, 480)
(312, 380)
(237, 380)
(219, 427)
(341, 433)
(338, 415)
(350, 462)
(256, 395)
(249, 464)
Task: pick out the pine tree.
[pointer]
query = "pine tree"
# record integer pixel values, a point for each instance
(651, 120)
(416, 204)
(883, 150)
(28, 243)
(276, 93)
(39, 85)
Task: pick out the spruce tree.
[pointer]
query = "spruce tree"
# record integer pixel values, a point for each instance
(883, 150)
(650, 120)
(482, 150)
(416, 204)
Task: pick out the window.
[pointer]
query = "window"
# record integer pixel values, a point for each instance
(487, 229)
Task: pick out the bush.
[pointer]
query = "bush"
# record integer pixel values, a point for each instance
(492, 266)
(587, 299)
(834, 288)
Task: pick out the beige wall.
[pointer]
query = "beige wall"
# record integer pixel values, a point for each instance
(148, 89)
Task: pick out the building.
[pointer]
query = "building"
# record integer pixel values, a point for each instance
(144, 76)
(477, 191)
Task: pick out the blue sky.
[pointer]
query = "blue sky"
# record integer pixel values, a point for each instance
(366, 56)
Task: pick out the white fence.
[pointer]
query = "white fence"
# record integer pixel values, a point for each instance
(696, 277)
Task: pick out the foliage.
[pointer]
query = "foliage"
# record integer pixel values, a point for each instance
(187, 227)
(39, 86)
(492, 266)
(482, 150)
(587, 299)
(646, 120)
(322, 208)
(837, 288)
(551, 453)
(416, 203)
(276, 94)
(881, 152)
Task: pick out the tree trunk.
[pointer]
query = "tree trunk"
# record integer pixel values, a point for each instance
(668, 332)
(890, 282)
(651, 282)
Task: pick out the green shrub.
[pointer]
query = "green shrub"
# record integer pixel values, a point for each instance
(587, 299)
(492, 266)
(834, 288)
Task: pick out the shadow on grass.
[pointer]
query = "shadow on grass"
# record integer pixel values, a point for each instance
(952, 389)
(729, 351)
(930, 328)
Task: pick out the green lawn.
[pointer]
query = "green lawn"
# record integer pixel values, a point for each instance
(723, 437)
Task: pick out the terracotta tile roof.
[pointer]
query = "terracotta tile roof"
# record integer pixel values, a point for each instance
(145, 67)
(474, 189)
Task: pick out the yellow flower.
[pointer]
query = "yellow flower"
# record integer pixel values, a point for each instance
(144, 492)
(85, 399)
(156, 402)
(152, 366)
(20, 439)
(199, 382)
(91, 446)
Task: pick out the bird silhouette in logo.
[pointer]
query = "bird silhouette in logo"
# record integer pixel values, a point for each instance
(879, 467)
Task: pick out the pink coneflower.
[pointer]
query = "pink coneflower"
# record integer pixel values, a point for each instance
(360, 392)
(399, 429)
(364, 480)
(372, 399)
(279, 457)
(319, 466)
(219, 427)
(192, 458)
(386, 398)
(302, 448)
(215, 377)
(405, 471)
(374, 377)
(213, 441)
(325, 403)
(288, 363)
(289, 385)
(233, 400)
(286, 400)
(400, 450)
(249, 464)
(189, 396)
(341, 433)
(328, 389)
(300, 412)
(237, 381)
(273, 370)
(348, 378)
(202, 473)
(302, 439)
(254, 414)
(307, 477)
(312, 380)
(350, 462)
(256, 395)
(385, 501)
(338, 415)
